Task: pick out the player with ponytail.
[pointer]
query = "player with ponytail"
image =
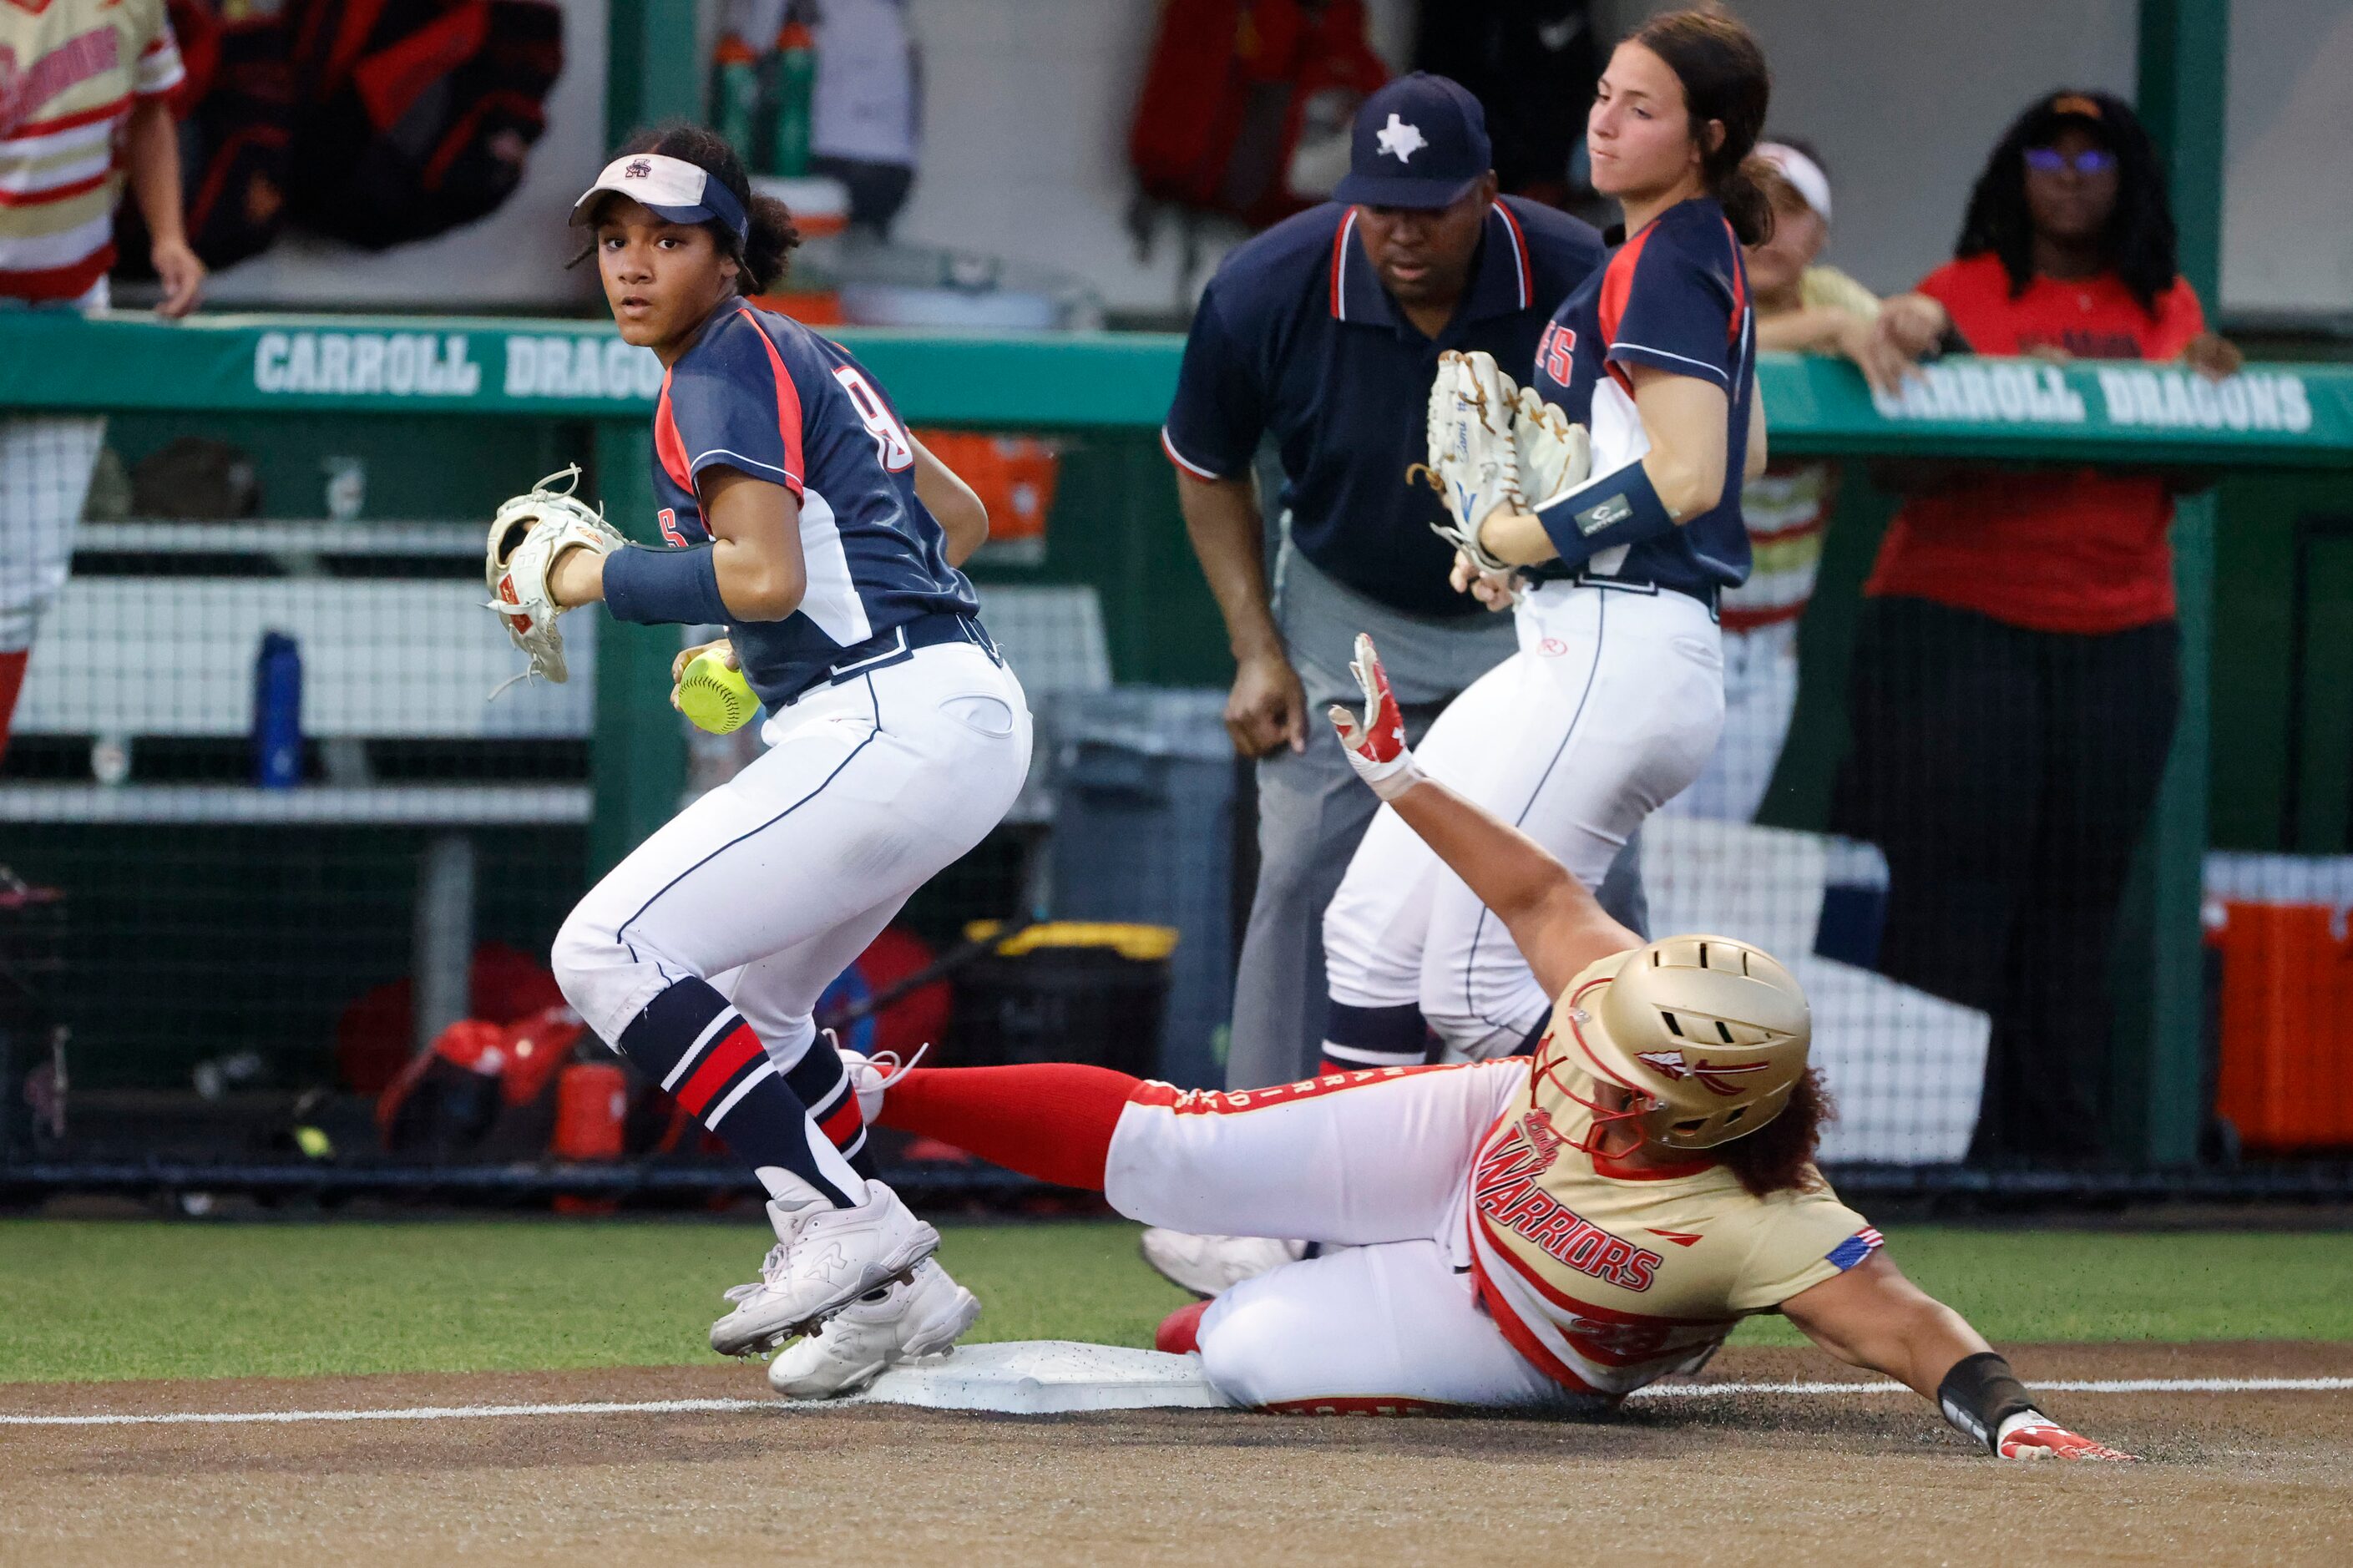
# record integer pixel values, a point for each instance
(1613, 703)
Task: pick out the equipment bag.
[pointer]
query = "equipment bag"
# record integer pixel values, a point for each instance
(417, 114)
(236, 109)
(1247, 104)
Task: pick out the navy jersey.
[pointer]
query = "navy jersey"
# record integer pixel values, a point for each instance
(1296, 338)
(1673, 296)
(761, 393)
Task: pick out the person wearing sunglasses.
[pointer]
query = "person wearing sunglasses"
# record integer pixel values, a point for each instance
(2015, 681)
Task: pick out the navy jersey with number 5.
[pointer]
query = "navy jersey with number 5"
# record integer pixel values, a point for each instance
(763, 395)
(1674, 297)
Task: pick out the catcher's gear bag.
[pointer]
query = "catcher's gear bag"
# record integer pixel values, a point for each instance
(1473, 465)
(526, 537)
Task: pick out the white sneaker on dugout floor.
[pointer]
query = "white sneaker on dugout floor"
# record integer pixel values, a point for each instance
(885, 1328)
(824, 1260)
(1207, 1265)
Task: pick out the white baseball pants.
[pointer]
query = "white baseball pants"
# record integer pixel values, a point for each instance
(1760, 694)
(45, 468)
(769, 885)
(1611, 707)
(1377, 1164)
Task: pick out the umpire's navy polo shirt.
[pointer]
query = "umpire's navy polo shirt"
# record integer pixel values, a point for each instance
(1295, 335)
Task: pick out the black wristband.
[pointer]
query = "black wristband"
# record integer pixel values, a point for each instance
(1979, 1394)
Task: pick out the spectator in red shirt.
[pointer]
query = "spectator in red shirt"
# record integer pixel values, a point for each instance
(2015, 670)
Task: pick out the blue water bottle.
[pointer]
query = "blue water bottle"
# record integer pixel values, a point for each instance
(277, 713)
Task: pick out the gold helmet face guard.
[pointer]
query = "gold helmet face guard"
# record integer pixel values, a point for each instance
(1708, 1033)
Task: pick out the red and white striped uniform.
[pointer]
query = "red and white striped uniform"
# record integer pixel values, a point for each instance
(70, 72)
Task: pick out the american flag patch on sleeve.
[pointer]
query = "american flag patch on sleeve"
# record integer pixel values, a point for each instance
(1856, 1248)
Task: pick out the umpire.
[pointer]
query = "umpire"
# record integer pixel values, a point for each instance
(1324, 332)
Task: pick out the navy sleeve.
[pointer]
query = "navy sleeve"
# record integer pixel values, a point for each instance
(1676, 313)
(1219, 411)
(734, 404)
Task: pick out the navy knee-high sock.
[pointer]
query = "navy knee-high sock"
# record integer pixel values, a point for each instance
(702, 1052)
(823, 1084)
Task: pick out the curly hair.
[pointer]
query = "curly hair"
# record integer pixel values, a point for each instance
(2140, 239)
(1779, 1155)
(766, 253)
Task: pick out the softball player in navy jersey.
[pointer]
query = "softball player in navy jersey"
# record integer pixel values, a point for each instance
(795, 511)
(1613, 702)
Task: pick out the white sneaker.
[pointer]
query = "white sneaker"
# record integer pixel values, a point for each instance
(900, 1323)
(1207, 1265)
(824, 1258)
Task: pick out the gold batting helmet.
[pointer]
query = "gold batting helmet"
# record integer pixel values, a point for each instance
(1713, 1030)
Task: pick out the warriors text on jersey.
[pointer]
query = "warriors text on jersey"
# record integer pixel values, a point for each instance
(70, 72)
(1673, 297)
(761, 393)
(1608, 1277)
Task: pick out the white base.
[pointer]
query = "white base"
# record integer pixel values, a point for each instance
(1042, 1377)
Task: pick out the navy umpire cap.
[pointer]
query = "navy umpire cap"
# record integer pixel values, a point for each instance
(1420, 142)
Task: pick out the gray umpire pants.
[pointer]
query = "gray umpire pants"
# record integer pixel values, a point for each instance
(1313, 809)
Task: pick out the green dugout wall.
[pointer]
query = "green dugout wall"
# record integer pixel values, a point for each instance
(452, 416)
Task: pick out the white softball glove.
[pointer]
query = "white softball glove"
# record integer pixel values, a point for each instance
(526, 537)
(1555, 455)
(1473, 464)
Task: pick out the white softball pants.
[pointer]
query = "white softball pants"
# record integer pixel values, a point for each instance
(1610, 708)
(771, 885)
(1377, 1164)
(1760, 695)
(44, 469)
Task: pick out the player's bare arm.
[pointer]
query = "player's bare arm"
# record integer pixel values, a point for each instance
(756, 551)
(961, 514)
(1268, 706)
(1686, 418)
(151, 161)
(1871, 1316)
(1753, 464)
(1556, 923)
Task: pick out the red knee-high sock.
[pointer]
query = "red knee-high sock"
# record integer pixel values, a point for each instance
(12, 680)
(1053, 1120)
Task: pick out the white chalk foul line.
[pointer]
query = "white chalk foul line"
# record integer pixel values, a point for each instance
(705, 1406)
(2057, 1385)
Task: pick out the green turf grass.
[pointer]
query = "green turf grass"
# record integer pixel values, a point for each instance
(122, 1300)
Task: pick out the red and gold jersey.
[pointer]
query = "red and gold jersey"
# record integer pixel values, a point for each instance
(69, 73)
(1608, 1277)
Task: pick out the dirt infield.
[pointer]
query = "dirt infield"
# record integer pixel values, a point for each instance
(1719, 1481)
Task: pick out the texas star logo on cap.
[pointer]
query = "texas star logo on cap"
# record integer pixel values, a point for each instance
(1399, 140)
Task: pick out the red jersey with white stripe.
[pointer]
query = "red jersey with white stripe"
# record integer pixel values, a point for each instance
(69, 73)
(763, 395)
(1608, 1277)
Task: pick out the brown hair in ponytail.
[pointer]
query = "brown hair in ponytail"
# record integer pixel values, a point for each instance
(1724, 79)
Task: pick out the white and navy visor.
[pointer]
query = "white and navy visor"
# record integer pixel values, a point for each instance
(671, 189)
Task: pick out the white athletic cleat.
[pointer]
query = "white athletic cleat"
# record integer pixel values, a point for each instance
(1210, 1264)
(899, 1323)
(824, 1260)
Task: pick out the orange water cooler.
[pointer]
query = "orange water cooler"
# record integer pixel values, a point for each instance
(2286, 1080)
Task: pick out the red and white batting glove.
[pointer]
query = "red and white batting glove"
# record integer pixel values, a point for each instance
(1376, 741)
(2031, 1434)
